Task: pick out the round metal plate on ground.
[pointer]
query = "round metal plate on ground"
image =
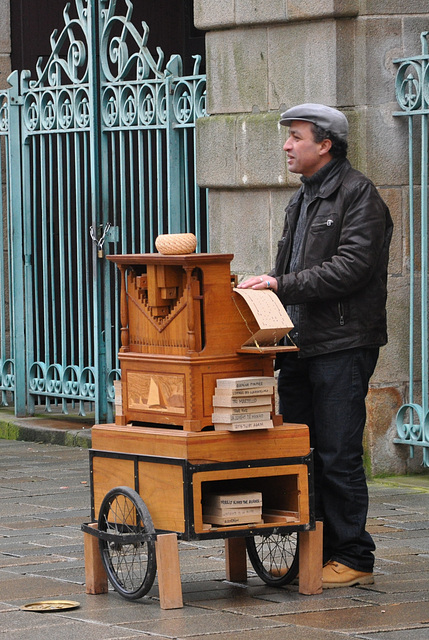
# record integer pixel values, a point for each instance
(50, 605)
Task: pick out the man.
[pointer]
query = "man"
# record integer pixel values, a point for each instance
(331, 273)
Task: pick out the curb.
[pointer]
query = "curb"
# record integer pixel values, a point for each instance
(30, 431)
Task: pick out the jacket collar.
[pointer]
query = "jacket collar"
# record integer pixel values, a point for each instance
(334, 178)
(330, 182)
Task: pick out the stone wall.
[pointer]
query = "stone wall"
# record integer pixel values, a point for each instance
(4, 43)
(265, 57)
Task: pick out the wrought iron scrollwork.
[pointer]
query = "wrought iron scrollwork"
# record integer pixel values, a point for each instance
(124, 52)
(409, 85)
(412, 79)
(68, 61)
(135, 86)
(4, 111)
(54, 380)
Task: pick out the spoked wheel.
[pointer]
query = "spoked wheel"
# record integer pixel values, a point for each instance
(127, 551)
(274, 557)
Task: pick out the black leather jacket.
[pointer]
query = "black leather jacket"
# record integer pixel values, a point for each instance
(341, 286)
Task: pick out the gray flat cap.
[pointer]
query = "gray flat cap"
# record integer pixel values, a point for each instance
(320, 115)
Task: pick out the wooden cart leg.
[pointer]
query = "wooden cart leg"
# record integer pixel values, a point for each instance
(95, 574)
(236, 560)
(311, 560)
(169, 582)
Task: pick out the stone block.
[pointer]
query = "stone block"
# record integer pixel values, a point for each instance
(213, 14)
(413, 228)
(310, 9)
(391, 7)
(261, 160)
(216, 155)
(242, 151)
(237, 72)
(345, 68)
(255, 12)
(356, 131)
(279, 199)
(5, 70)
(248, 224)
(302, 63)
(392, 367)
(5, 41)
(385, 457)
(240, 223)
(412, 27)
(378, 43)
(210, 14)
(393, 197)
(382, 152)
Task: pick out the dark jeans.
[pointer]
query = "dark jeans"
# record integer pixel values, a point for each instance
(328, 393)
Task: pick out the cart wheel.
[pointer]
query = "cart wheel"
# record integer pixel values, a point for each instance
(274, 557)
(128, 558)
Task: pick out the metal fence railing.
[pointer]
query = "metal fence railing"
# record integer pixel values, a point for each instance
(98, 156)
(412, 93)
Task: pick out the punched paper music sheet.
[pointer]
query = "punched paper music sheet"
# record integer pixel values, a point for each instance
(269, 313)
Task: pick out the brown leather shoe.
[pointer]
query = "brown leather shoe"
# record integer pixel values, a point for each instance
(336, 575)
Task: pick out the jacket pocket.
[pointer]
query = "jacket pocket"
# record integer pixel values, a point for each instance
(282, 257)
(324, 321)
(326, 223)
(341, 316)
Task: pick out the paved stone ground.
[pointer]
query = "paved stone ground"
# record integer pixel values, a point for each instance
(45, 497)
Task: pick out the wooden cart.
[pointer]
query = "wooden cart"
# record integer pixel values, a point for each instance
(183, 328)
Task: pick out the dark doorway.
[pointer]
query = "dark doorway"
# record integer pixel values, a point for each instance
(170, 22)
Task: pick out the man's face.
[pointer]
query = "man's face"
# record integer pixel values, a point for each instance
(303, 154)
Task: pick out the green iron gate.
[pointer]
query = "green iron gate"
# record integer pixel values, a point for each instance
(98, 156)
(412, 94)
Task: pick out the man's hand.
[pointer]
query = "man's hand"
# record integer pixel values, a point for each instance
(259, 282)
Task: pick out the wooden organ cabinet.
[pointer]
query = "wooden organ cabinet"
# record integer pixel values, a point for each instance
(183, 327)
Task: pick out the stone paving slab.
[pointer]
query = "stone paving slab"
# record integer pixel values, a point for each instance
(401, 585)
(381, 598)
(393, 566)
(368, 619)
(61, 498)
(198, 588)
(43, 548)
(65, 573)
(29, 621)
(218, 622)
(22, 486)
(36, 626)
(414, 530)
(272, 607)
(404, 634)
(58, 519)
(19, 563)
(28, 588)
(398, 547)
(279, 633)
(415, 481)
(109, 609)
(396, 513)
